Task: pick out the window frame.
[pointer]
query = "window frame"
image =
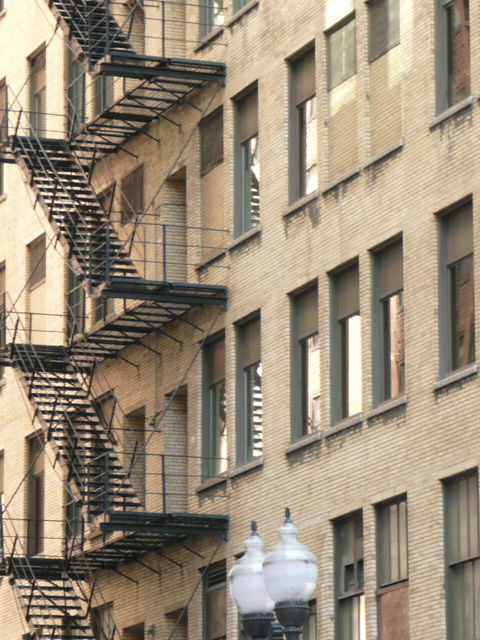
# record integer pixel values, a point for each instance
(443, 59)
(303, 329)
(300, 95)
(391, 42)
(216, 573)
(346, 73)
(453, 566)
(35, 506)
(448, 350)
(3, 130)
(211, 139)
(76, 90)
(383, 518)
(37, 63)
(132, 190)
(214, 389)
(208, 17)
(247, 156)
(340, 331)
(97, 617)
(345, 598)
(37, 274)
(249, 362)
(387, 284)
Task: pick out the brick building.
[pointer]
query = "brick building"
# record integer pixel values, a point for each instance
(237, 274)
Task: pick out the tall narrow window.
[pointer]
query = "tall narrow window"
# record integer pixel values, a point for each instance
(75, 305)
(37, 262)
(383, 26)
(3, 130)
(211, 141)
(389, 357)
(2, 476)
(347, 347)
(303, 143)
(250, 413)
(134, 455)
(105, 406)
(305, 364)
(215, 405)
(38, 85)
(73, 518)
(3, 313)
(75, 93)
(392, 570)
(132, 195)
(350, 602)
(342, 56)
(457, 315)
(103, 93)
(215, 602)
(453, 52)
(212, 15)
(35, 494)
(462, 551)
(135, 632)
(247, 164)
(310, 626)
(102, 622)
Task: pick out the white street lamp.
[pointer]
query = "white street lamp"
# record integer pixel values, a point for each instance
(285, 583)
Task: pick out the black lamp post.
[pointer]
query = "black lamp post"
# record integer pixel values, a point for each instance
(283, 581)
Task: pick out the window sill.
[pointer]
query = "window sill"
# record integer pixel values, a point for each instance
(456, 376)
(392, 587)
(304, 441)
(36, 285)
(3, 197)
(384, 155)
(448, 113)
(300, 203)
(241, 12)
(349, 176)
(207, 39)
(257, 463)
(212, 482)
(388, 405)
(211, 261)
(343, 425)
(3, 13)
(245, 237)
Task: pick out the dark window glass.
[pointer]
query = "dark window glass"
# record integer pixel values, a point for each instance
(342, 57)
(103, 623)
(211, 141)
(75, 94)
(248, 163)
(250, 422)
(132, 195)
(38, 93)
(384, 26)
(392, 542)
(215, 602)
(212, 15)
(350, 602)
(457, 48)
(36, 494)
(75, 305)
(3, 313)
(103, 93)
(215, 426)
(462, 557)
(37, 262)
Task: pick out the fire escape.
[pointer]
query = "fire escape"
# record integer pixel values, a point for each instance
(55, 593)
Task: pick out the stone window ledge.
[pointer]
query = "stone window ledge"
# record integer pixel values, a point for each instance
(345, 178)
(303, 442)
(300, 203)
(448, 113)
(212, 482)
(241, 12)
(343, 425)
(245, 237)
(257, 463)
(456, 376)
(388, 405)
(384, 154)
(209, 37)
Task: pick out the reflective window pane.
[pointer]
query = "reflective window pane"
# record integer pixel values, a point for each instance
(308, 173)
(351, 355)
(462, 312)
(393, 346)
(458, 50)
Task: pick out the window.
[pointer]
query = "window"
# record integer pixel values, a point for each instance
(102, 622)
(215, 602)
(102, 309)
(342, 57)
(136, 632)
(310, 626)
(2, 476)
(103, 93)
(453, 52)
(388, 323)
(75, 305)
(105, 406)
(247, 164)
(134, 454)
(215, 405)
(211, 141)
(462, 554)
(3, 313)
(37, 262)
(239, 4)
(132, 195)
(347, 347)
(349, 598)
(457, 319)
(74, 528)
(384, 27)
(212, 14)
(38, 85)
(303, 143)
(3, 130)
(35, 494)
(75, 93)
(305, 364)
(250, 414)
